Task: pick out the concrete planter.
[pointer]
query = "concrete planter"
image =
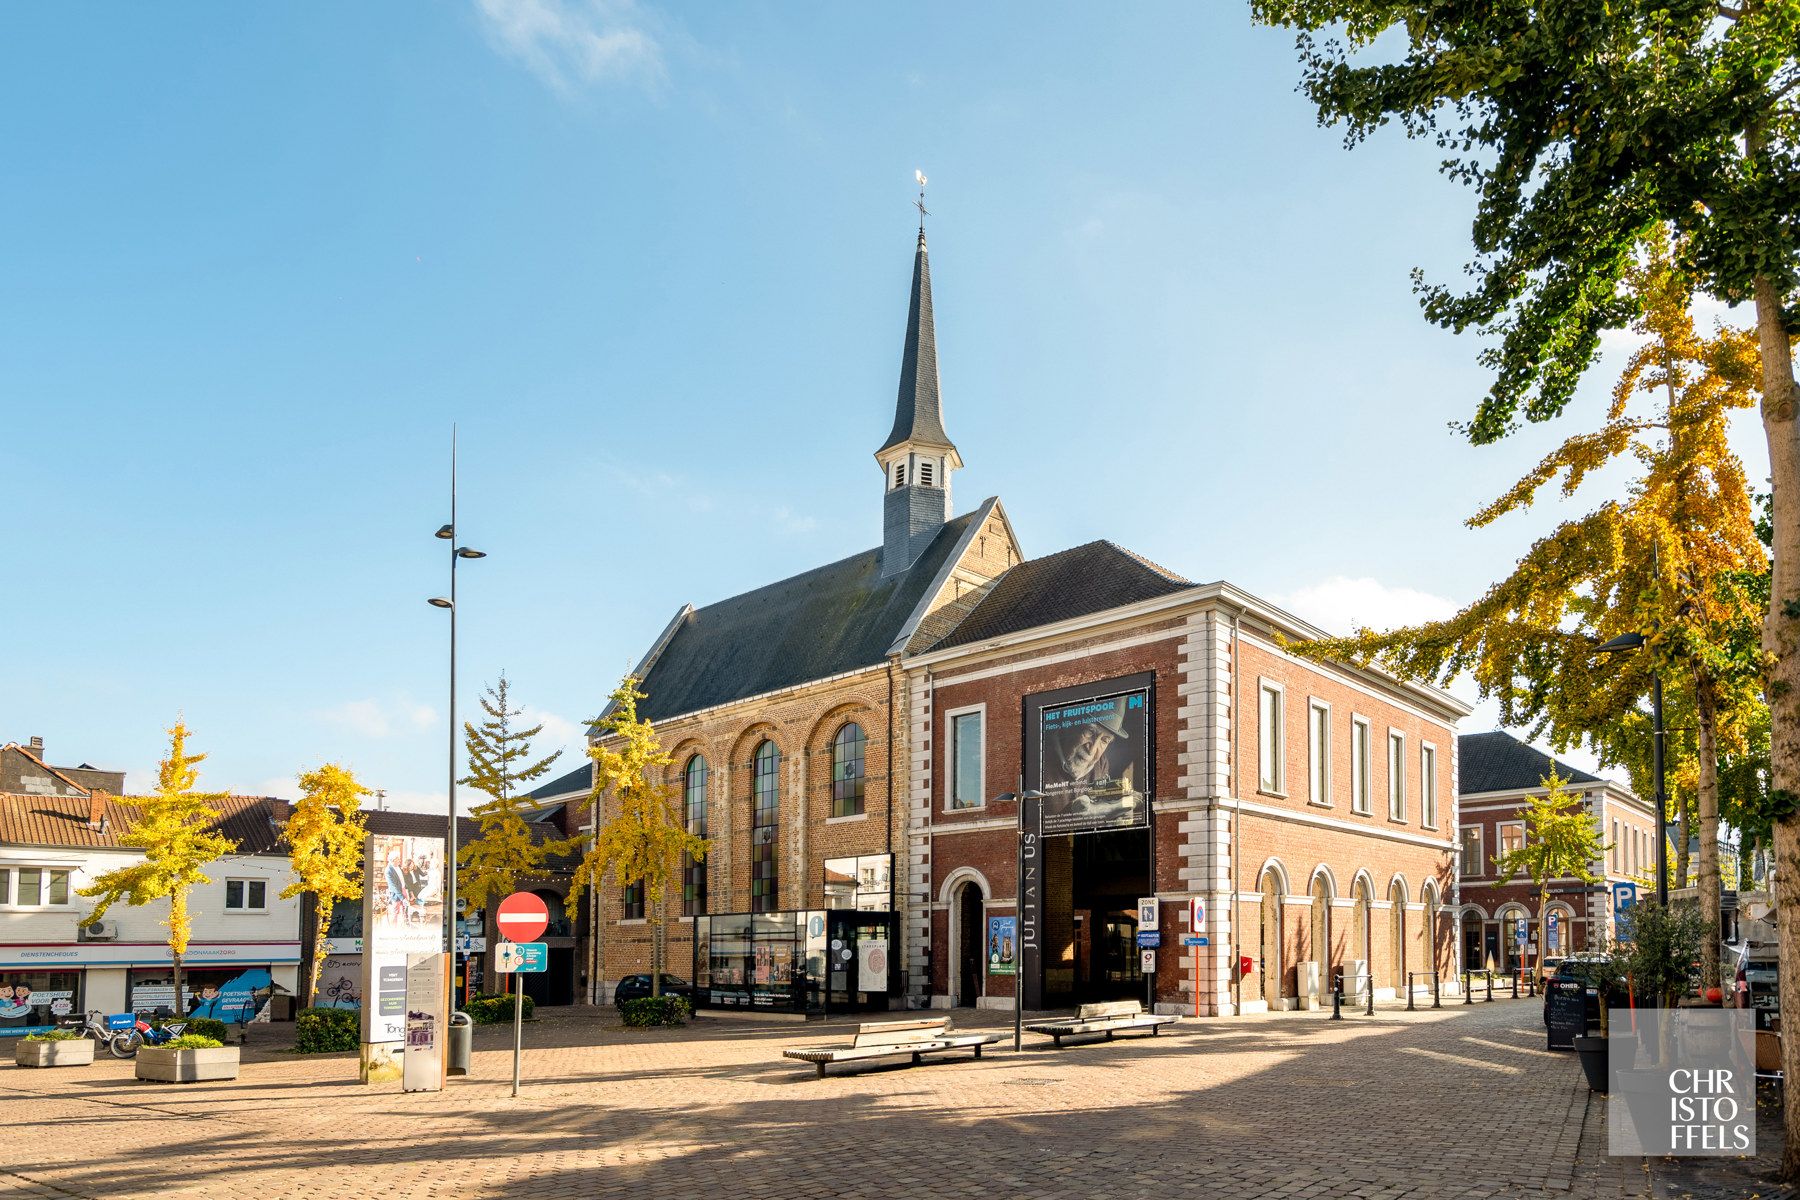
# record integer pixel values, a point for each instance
(77, 1053)
(187, 1066)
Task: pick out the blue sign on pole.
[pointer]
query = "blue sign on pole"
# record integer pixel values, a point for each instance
(1149, 939)
(1624, 898)
(1192, 940)
(522, 958)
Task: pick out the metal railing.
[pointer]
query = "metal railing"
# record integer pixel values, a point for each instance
(1436, 996)
(1488, 976)
(1337, 995)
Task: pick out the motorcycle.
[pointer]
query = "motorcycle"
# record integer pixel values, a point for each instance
(128, 1043)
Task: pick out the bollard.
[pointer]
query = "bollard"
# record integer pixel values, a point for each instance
(1468, 987)
(1490, 987)
(1437, 991)
(1515, 994)
(1409, 991)
(1337, 1003)
(1370, 1011)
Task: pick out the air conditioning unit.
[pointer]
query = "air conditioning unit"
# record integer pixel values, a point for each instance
(100, 931)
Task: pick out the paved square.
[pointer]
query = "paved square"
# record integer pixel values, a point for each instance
(1463, 1102)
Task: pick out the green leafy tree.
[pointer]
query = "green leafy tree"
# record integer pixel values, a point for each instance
(1584, 130)
(643, 836)
(177, 829)
(503, 855)
(1562, 841)
(325, 833)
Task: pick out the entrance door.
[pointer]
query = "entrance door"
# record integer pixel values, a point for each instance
(970, 934)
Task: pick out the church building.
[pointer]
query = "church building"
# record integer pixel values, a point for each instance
(854, 741)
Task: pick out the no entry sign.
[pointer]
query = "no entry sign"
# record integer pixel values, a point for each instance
(522, 916)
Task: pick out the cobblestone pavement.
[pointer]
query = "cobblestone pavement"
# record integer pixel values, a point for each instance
(1459, 1103)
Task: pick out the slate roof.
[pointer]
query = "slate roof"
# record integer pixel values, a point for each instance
(1059, 587)
(250, 821)
(581, 779)
(834, 619)
(1500, 762)
(918, 416)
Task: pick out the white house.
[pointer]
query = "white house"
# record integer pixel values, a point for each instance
(245, 936)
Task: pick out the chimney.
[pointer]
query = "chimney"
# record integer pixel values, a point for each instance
(36, 746)
(97, 810)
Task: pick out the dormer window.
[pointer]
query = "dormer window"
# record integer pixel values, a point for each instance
(899, 474)
(924, 474)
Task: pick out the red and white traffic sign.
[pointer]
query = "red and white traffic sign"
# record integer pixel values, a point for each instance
(521, 917)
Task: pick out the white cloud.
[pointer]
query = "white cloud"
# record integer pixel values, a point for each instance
(285, 787)
(1340, 604)
(380, 718)
(793, 522)
(560, 733)
(573, 44)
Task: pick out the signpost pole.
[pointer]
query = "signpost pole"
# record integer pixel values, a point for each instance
(518, 1034)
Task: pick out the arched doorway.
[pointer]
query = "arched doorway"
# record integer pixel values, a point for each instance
(1363, 933)
(1397, 964)
(1269, 958)
(1322, 893)
(970, 940)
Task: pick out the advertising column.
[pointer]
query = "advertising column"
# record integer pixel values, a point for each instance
(403, 918)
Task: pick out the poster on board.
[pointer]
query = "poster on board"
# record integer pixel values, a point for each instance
(403, 915)
(1002, 946)
(1091, 755)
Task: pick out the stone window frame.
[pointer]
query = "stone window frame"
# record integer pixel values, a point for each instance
(981, 797)
(1271, 747)
(1318, 752)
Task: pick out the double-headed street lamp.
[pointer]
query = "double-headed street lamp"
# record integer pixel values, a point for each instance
(1624, 644)
(448, 534)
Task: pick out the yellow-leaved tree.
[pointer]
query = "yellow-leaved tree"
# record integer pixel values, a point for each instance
(504, 854)
(177, 829)
(325, 833)
(1675, 561)
(643, 835)
(1562, 841)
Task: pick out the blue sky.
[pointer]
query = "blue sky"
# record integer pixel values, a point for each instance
(653, 261)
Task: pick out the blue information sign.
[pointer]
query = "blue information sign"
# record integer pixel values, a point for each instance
(522, 957)
(1149, 939)
(1191, 940)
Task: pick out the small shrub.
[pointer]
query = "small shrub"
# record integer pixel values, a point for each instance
(494, 1010)
(327, 1030)
(55, 1035)
(656, 1010)
(191, 1041)
(210, 1027)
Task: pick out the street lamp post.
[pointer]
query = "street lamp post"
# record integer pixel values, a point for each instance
(1625, 643)
(448, 534)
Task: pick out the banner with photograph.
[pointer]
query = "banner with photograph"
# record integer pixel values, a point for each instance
(403, 915)
(1002, 947)
(1092, 755)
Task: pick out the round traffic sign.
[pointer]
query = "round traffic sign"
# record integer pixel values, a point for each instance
(521, 917)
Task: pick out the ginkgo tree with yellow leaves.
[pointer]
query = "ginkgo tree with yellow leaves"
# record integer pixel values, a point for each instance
(177, 829)
(1562, 841)
(1669, 561)
(324, 834)
(643, 837)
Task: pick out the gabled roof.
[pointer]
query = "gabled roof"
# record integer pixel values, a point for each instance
(918, 415)
(837, 618)
(1500, 762)
(62, 821)
(59, 772)
(1060, 587)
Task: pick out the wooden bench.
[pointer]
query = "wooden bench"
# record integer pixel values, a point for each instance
(1112, 1017)
(892, 1039)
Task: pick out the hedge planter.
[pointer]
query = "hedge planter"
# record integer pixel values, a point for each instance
(78, 1052)
(187, 1066)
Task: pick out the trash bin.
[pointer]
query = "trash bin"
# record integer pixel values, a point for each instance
(462, 1043)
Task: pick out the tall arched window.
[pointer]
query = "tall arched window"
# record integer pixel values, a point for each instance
(693, 804)
(765, 819)
(847, 771)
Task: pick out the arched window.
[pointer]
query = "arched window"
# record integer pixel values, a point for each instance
(765, 819)
(847, 771)
(693, 807)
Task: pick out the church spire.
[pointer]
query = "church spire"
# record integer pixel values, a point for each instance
(918, 456)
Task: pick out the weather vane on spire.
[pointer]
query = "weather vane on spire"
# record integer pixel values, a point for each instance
(920, 202)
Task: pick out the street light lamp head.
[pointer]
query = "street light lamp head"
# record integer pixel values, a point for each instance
(440, 602)
(446, 532)
(1621, 644)
(465, 552)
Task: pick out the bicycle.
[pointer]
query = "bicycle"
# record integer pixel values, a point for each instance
(128, 1043)
(92, 1025)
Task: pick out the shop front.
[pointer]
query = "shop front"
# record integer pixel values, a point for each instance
(43, 984)
(812, 963)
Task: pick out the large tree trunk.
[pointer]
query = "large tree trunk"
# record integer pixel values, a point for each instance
(1781, 639)
(1684, 838)
(1707, 707)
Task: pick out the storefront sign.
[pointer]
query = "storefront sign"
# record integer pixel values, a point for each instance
(1031, 901)
(1002, 946)
(29, 999)
(1093, 757)
(146, 954)
(230, 995)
